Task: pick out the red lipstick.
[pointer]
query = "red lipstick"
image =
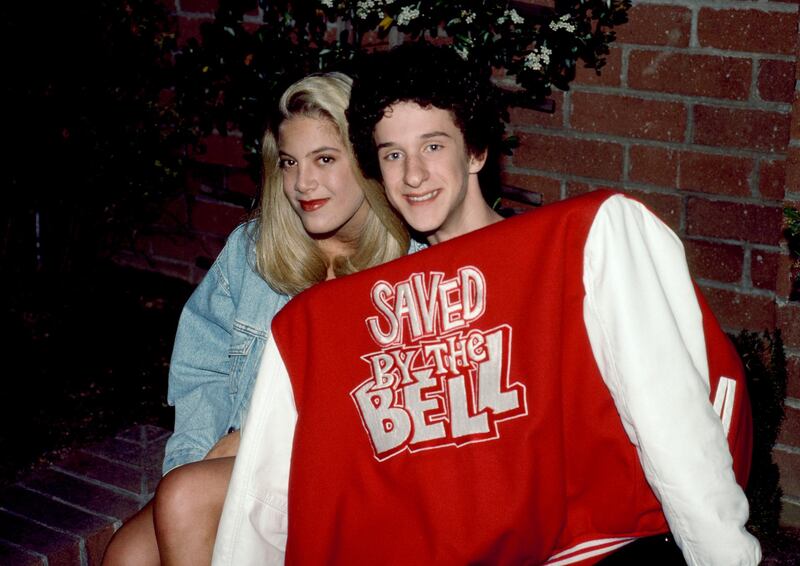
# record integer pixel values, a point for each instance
(309, 205)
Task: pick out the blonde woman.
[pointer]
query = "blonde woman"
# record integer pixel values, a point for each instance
(319, 218)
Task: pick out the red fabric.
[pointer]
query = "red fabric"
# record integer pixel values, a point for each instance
(555, 471)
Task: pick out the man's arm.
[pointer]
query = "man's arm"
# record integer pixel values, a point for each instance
(646, 331)
(254, 523)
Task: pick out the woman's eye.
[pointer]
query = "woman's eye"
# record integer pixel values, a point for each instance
(285, 163)
(326, 159)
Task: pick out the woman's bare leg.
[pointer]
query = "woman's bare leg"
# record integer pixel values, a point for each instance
(134, 544)
(187, 509)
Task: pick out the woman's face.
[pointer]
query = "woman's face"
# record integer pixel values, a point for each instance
(319, 180)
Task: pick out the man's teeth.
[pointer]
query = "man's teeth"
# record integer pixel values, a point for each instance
(422, 198)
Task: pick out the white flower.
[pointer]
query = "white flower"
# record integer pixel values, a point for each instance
(327, 3)
(516, 18)
(563, 23)
(407, 13)
(536, 59)
(468, 16)
(363, 8)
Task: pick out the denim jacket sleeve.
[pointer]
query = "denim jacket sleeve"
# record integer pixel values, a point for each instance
(209, 377)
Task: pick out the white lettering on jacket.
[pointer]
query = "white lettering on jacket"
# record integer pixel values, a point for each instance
(436, 381)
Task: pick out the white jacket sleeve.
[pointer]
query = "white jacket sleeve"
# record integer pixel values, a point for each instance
(646, 332)
(253, 527)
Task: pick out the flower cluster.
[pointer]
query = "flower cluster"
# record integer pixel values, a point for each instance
(537, 47)
(512, 16)
(406, 15)
(563, 23)
(538, 59)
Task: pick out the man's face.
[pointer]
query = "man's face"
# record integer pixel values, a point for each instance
(429, 176)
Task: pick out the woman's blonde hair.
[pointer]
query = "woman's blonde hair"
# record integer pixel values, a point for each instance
(286, 256)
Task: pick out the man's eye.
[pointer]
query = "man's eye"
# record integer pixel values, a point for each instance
(392, 156)
(434, 147)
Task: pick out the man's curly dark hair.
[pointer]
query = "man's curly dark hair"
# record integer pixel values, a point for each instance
(428, 75)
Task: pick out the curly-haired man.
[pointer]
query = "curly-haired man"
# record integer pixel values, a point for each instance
(549, 389)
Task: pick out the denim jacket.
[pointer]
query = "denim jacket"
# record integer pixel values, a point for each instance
(218, 346)
(221, 334)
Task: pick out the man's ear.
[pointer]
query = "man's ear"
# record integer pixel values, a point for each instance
(477, 161)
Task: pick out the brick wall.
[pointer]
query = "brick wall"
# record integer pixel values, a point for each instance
(697, 114)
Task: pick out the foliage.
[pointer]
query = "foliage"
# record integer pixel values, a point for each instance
(96, 144)
(243, 66)
(792, 218)
(765, 369)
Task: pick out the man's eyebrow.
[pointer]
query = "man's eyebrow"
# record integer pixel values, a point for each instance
(425, 136)
(435, 135)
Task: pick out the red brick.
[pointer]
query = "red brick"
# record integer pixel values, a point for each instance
(666, 206)
(692, 75)
(222, 150)
(199, 5)
(177, 247)
(753, 31)
(653, 166)
(790, 429)
(144, 434)
(96, 531)
(60, 549)
(587, 158)
(175, 213)
(714, 173)
(189, 28)
(772, 179)
(610, 73)
(790, 512)
(120, 476)
(776, 80)
(732, 220)
(216, 217)
(170, 268)
(657, 25)
(793, 170)
(628, 116)
(736, 311)
(764, 269)
(528, 117)
(714, 260)
(84, 494)
(734, 127)
(795, 130)
(793, 376)
(241, 182)
(549, 188)
(789, 465)
(19, 556)
(122, 451)
(575, 189)
(789, 323)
